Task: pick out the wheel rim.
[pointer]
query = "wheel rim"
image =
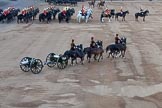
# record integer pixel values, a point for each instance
(36, 66)
(50, 60)
(24, 67)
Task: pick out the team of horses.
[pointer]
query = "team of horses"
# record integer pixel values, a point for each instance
(113, 50)
(51, 14)
(10, 16)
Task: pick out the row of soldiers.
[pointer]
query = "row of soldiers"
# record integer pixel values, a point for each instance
(26, 10)
(107, 11)
(8, 10)
(46, 10)
(93, 43)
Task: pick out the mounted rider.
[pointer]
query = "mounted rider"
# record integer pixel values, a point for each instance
(24, 11)
(93, 43)
(121, 10)
(84, 11)
(45, 11)
(6, 12)
(64, 11)
(141, 10)
(72, 45)
(117, 39)
(107, 11)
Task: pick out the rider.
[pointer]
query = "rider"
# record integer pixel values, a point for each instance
(64, 11)
(92, 44)
(121, 10)
(45, 12)
(72, 45)
(6, 12)
(117, 39)
(141, 10)
(23, 11)
(107, 11)
(83, 11)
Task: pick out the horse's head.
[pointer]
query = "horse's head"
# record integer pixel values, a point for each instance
(99, 43)
(86, 50)
(146, 12)
(112, 11)
(67, 54)
(57, 10)
(79, 12)
(123, 40)
(37, 10)
(127, 12)
(79, 47)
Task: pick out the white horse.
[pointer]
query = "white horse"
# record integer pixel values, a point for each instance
(86, 18)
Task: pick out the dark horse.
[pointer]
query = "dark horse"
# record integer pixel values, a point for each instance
(10, 16)
(115, 49)
(141, 14)
(74, 54)
(112, 13)
(97, 51)
(101, 3)
(67, 16)
(54, 12)
(123, 14)
(47, 17)
(1, 10)
(28, 16)
(92, 3)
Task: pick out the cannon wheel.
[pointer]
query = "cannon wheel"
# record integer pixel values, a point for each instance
(36, 66)
(61, 64)
(50, 60)
(25, 67)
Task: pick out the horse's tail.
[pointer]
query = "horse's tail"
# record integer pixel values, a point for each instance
(107, 49)
(39, 18)
(136, 15)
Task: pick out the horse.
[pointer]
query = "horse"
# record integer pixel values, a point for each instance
(141, 14)
(111, 15)
(123, 14)
(115, 49)
(101, 3)
(67, 16)
(35, 12)
(54, 12)
(96, 51)
(1, 10)
(74, 54)
(86, 17)
(48, 17)
(91, 3)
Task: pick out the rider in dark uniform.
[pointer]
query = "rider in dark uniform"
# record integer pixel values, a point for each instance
(92, 45)
(72, 45)
(117, 39)
(141, 10)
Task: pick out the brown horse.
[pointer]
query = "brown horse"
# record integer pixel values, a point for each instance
(97, 51)
(101, 3)
(91, 3)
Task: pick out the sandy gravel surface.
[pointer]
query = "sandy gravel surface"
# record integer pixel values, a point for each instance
(131, 82)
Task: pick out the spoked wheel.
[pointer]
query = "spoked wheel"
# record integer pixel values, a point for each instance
(51, 60)
(25, 64)
(62, 62)
(36, 66)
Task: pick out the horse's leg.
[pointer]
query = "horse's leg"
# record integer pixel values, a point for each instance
(99, 57)
(144, 18)
(76, 61)
(82, 60)
(71, 61)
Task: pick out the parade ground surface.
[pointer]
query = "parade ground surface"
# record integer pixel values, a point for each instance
(131, 82)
